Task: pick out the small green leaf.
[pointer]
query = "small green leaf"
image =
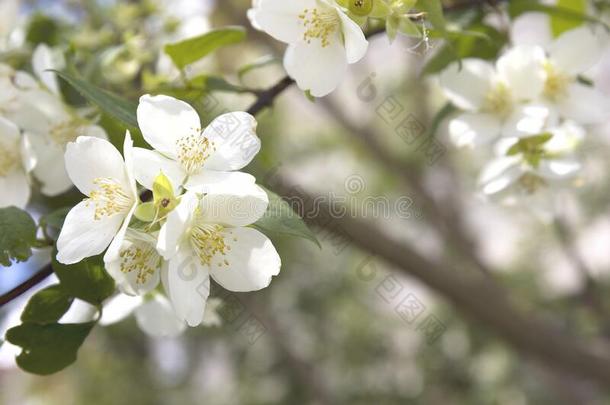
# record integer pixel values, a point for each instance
(434, 11)
(47, 305)
(280, 219)
(86, 280)
(518, 7)
(113, 105)
(146, 211)
(560, 24)
(381, 9)
(191, 50)
(48, 349)
(17, 235)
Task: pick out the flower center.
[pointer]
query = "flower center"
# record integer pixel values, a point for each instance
(556, 83)
(193, 150)
(207, 240)
(142, 258)
(531, 183)
(109, 198)
(8, 159)
(498, 101)
(319, 24)
(66, 131)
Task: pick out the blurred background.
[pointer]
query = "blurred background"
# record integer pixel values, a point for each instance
(338, 325)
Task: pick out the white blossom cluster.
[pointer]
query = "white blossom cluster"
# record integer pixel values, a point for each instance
(530, 111)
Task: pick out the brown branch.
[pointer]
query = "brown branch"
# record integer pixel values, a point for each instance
(26, 285)
(471, 295)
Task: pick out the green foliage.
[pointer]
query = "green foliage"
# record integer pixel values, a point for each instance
(115, 106)
(47, 305)
(42, 29)
(560, 24)
(86, 280)
(48, 348)
(257, 64)
(434, 13)
(532, 148)
(560, 12)
(191, 50)
(281, 220)
(17, 235)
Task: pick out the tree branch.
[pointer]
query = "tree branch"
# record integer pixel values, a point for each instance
(26, 285)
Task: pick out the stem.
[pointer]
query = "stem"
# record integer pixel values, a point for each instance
(26, 285)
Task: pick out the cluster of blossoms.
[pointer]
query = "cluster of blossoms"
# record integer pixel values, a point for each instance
(35, 127)
(194, 227)
(530, 111)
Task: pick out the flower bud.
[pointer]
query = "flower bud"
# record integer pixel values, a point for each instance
(360, 7)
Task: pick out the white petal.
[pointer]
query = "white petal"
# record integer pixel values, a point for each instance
(50, 169)
(467, 87)
(90, 158)
(129, 164)
(472, 129)
(559, 169)
(576, 50)
(79, 312)
(355, 41)
(149, 164)
(253, 261)
(115, 246)
(15, 189)
(28, 155)
(209, 180)
(44, 59)
(585, 105)
(499, 174)
(118, 308)
(238, 204)
(233, 137)
(188, 286)
(522, 69)
(280, 18)
(9, 132)
(178, 221)
(316, 68)
(163, 120)
(530, 119)
(83, 236)
(531, 29)
(157, 318)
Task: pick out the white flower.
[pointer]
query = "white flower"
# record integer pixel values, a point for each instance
(45, 59)
(16, 161)
(154, 314)
(527, 164)
(97, 169)
(136, 269)
(206, 236)
(12, 85)
(185, 154)
(322, 40)
(491, 95)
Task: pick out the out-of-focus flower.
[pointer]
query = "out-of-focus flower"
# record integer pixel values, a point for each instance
(206, 236)
(98, 170)
(185, 154)
(530, 163)
(322, 40)
(16, 161)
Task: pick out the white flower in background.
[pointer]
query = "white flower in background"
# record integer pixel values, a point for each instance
(322, 40)
(527, 164)
(206, 236)
(9, 16)
(12, 85)
(185, 154)
(48, 121)
(16, 161)
(98, 170)
(492, 96)
(136, 270)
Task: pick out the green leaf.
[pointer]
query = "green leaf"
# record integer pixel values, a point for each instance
(48, 348)
(42, 30)
(17, 235)
(434, 11)
(47, 305)
(191, 50)
(381, 9)
(280, 219)
(56, 218)
(113, 105)
(560, 24)
(86, 280)
(518, 7)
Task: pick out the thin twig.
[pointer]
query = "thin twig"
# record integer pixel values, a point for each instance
(26, 285)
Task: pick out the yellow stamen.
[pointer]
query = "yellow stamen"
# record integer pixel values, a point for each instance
(556, 83)
(9, 158)
(207, 241)
(498, 101)
(319, 24)
(109, 198)
(193, 150)
(142, 258)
